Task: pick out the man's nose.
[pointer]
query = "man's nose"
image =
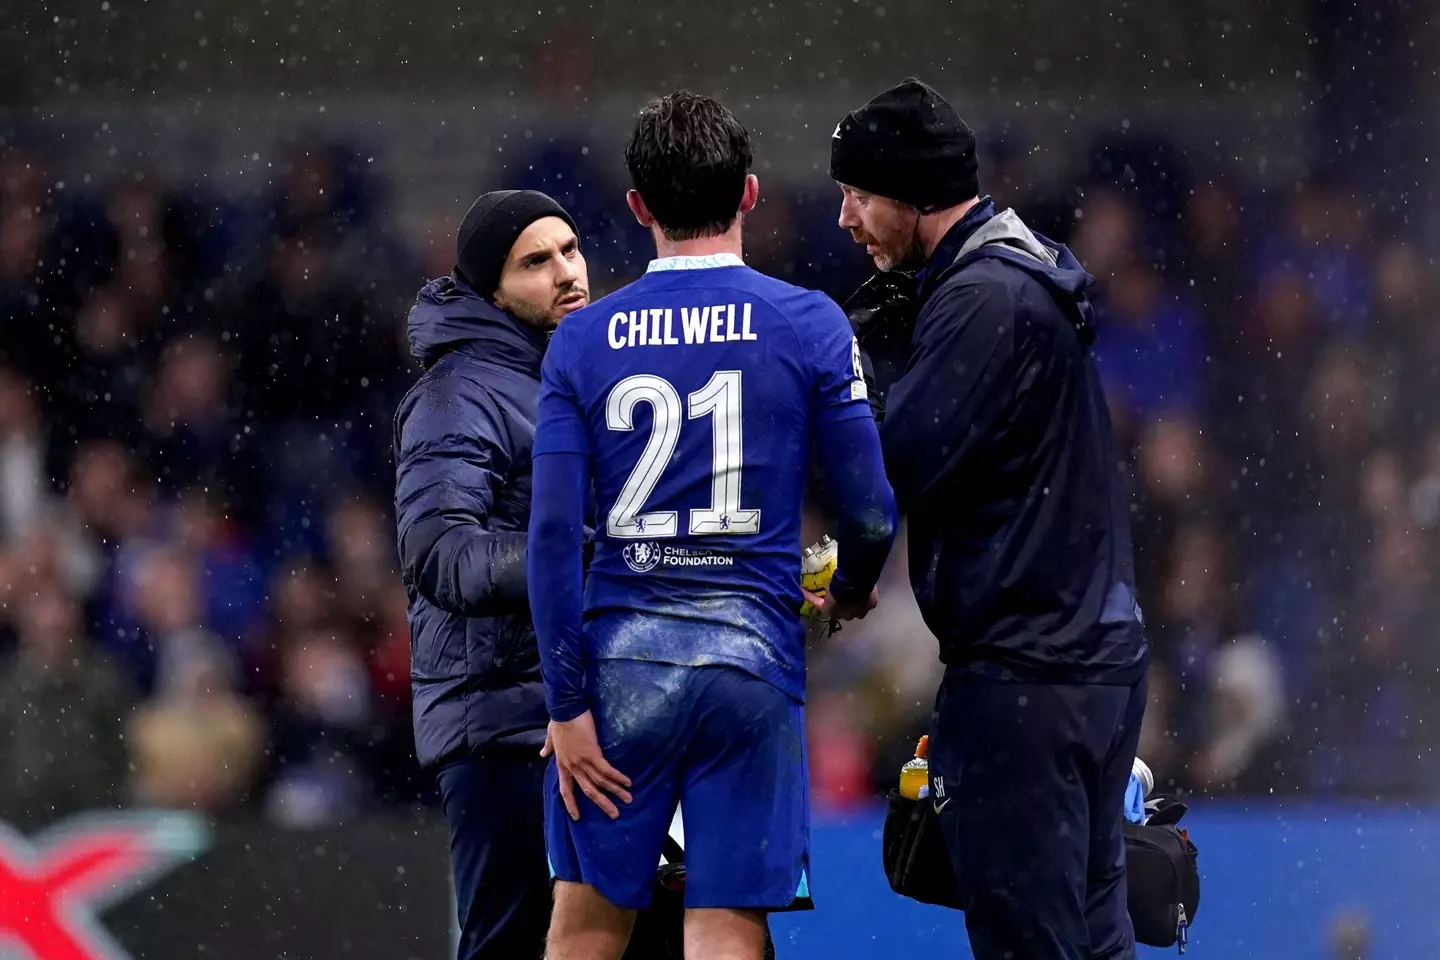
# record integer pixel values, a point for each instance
(566, 273)
(847, 219)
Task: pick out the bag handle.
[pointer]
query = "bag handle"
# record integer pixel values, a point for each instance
(1167, 813)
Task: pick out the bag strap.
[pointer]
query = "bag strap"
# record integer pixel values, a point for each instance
(674, 853)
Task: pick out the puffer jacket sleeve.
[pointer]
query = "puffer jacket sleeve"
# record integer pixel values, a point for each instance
(452, 454)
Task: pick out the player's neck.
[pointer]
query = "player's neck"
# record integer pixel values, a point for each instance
(727, 242)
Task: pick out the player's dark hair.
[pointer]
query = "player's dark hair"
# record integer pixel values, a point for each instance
(688, 158)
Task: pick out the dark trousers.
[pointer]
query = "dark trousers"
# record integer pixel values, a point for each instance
(497, 853)
(1029, 783)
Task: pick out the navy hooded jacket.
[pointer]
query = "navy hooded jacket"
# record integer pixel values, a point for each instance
(462, 499)
(1000, 449)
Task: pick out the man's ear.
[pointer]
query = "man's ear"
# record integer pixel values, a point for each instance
(751, 195)
(636, 203)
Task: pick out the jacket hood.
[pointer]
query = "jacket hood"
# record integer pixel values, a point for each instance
(1006, 237)
(449, 316)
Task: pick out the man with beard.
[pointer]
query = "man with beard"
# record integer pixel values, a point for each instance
(462, 496)
(999, 446)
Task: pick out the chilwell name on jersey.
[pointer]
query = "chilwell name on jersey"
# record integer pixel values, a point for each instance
(657, 327)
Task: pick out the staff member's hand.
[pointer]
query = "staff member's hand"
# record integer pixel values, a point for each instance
(832, 609)
(579, 760)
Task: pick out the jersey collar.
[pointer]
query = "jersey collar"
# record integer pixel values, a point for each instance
(695, 263)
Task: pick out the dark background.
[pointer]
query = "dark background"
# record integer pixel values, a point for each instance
(381, 891)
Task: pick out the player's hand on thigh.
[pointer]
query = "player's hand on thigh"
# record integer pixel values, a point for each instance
(579, 761)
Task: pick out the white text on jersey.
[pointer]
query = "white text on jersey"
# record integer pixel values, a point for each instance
(656, 327)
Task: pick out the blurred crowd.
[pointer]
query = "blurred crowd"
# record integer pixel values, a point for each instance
(199, 602)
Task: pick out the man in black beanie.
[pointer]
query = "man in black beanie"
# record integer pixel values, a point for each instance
(462, 497)
(999, 446)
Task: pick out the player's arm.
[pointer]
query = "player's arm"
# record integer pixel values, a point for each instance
(819, 512)
(561, 485)
(952, 391)
(561, 479)
(451, 458)
(865, 515)
(556, 570)
(848, 446)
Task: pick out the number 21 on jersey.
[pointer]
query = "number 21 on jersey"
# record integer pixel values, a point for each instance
(719, 399)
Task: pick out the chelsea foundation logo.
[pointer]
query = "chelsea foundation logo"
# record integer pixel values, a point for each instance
(642, 556)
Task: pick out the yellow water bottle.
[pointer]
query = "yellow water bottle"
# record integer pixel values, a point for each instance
(915, 775)
(817, 567)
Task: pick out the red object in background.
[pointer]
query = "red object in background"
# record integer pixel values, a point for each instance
(51, 893)
(841, 761)
(390, 668)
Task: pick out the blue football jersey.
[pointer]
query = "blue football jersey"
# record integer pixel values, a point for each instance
(696, 392)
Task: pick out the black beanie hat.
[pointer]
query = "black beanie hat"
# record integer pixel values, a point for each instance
(490, 228)
(910, 145)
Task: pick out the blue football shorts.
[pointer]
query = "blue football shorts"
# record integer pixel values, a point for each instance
(729, 748)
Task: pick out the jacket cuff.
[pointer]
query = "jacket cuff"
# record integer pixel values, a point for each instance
(507, 570)
(842, 590)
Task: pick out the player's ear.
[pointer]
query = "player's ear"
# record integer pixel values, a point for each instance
(751, 196)
(636, 203)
